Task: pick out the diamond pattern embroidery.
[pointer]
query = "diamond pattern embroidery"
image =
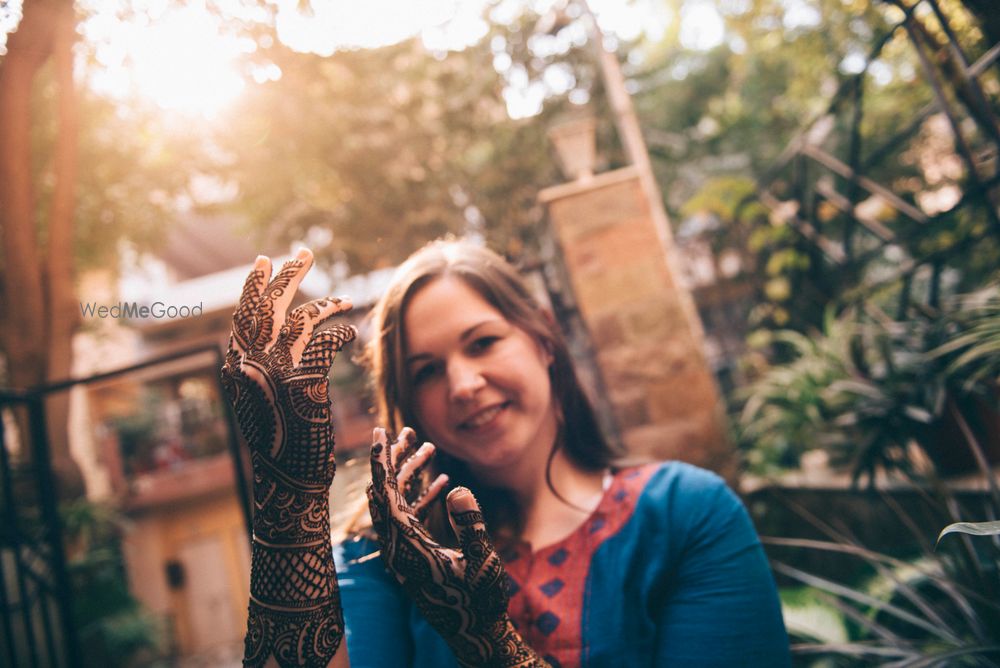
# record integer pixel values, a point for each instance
(547, 623)
(552, 587)
(558, 557)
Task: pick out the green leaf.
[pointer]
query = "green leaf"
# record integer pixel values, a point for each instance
(918, 414)
(971, 528)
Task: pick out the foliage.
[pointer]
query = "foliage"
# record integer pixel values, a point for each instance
(787, 409)
(113, 627)
(368, 167)
(870, 388)
(858, 389)
(833, 46)
(974, 347)
(732, 110)
(971, 528)
(866, 388)
(382, 164)
(934, 608)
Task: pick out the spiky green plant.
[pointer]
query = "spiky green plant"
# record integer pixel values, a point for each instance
(933, 608)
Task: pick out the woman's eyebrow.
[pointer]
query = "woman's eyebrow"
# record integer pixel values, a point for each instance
(468, 333)
(420, 357)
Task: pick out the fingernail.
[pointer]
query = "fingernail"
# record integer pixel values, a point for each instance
(460, 494)
(303, 253)
(379, 435)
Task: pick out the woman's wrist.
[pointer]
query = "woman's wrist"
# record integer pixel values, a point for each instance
(508, 650)
(295, 612)
(287, 511)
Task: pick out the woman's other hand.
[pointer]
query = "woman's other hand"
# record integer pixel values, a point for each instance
(461, 592)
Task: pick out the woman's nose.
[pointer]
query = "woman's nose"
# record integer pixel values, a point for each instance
(464, 380)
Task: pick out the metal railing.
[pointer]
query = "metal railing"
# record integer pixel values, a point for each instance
(36, 594)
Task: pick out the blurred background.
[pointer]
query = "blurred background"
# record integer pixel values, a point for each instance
(770, 230)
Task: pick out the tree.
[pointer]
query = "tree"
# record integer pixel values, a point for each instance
(41, 315)
(56, 219)
(386, 162)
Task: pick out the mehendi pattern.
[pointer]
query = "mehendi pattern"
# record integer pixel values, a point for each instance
(277, 382)
(461, 592)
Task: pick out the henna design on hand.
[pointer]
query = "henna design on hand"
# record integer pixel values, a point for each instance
(277, 382)
(461, 592)
(418, 490)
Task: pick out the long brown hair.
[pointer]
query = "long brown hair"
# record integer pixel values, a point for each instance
(500, 285)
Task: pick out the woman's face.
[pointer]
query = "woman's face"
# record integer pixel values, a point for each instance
(481, 385)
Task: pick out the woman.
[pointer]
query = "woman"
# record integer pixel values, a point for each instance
(595, 563)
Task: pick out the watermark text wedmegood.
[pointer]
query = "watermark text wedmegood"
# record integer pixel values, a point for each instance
(135, 310)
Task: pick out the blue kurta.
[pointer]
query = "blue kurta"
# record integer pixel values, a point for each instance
(667, 570)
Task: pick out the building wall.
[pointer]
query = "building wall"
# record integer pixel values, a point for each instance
(190, 564)
(649, 352)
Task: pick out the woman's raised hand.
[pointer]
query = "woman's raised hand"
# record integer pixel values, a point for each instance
(276, 377)
(276, 373)
(461, 592)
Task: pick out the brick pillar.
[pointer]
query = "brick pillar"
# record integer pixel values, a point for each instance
(644, 330)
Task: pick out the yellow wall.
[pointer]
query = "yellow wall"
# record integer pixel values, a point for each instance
(208, 537)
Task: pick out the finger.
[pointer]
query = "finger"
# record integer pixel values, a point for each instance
(403, 448)
(380, 464)
(304, 320)
(415, 463)
(319, 354)
(377, 498)
(429, 495)
(385, 500)
(281, 290)
(464, 513)
(483, 565)
(409, 473)
(247, 325)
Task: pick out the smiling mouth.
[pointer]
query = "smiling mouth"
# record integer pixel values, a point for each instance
(483, 417)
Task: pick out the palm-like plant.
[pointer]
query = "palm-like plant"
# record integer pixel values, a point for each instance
(939, 608)
(974, 347)
(866, 388)
(785, 410)
(861, 389)
(889, 385)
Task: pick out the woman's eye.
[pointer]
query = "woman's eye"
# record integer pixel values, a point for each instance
(425, 373)
(483, 343)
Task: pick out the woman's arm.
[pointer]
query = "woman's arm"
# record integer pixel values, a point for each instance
(376, 611)
(721, 606)
(276, 377)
